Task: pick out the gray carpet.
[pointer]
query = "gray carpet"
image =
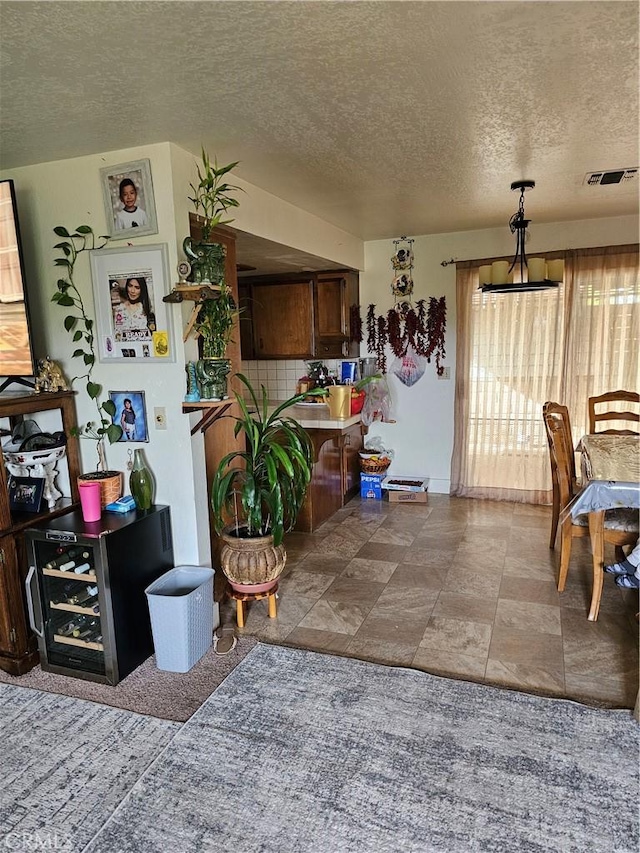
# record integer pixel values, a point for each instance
(147, 690)
(66, 765)
(298, 752)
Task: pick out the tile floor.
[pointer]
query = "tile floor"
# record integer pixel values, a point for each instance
(457, 587)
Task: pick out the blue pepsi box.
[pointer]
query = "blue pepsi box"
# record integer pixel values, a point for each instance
(371, 486)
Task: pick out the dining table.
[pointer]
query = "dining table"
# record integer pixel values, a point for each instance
(610, 467)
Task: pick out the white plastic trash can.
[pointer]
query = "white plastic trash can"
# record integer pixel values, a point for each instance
(183, 616)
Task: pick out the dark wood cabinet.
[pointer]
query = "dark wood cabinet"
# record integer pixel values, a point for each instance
(291, 317)
(283, 320)
(336, 474)
(334, 294)
(18, 647)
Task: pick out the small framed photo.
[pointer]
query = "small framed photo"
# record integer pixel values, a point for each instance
(132, 321)
(25, 493)
(131, 415)
(128, 200)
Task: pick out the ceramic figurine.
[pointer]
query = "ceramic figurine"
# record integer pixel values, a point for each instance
(49, 377)
(193, 392)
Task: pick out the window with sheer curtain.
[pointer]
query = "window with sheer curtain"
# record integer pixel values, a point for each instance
(517, 350)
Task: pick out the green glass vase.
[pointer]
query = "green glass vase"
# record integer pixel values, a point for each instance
(141, 484)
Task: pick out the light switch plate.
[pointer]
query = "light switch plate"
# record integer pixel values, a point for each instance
(446, 373)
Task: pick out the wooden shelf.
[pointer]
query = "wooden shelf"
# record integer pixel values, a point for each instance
(192, 292)
(212, 410)
(74, 641)
(73, 608)
(70, 576)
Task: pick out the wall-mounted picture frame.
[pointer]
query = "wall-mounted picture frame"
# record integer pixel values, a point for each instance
(132, 321)
(25, 493)
(129, 204)
(131, 415)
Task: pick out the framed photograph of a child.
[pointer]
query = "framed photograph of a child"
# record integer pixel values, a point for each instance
(131, 415)
(132, 321)
(128, 200)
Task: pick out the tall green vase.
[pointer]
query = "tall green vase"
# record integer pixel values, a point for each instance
(141, 483)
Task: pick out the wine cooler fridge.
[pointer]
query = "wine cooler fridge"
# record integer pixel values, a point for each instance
(85, 590)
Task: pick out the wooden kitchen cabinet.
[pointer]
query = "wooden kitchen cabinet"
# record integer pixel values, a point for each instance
(283, 319)
(335, 478)
(334, 294)
(289, 317)
(18, 647)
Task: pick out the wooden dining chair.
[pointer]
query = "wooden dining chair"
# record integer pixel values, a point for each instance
(596, 417)
(620, 525)
(560, 413)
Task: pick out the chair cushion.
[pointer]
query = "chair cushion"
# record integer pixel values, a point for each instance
(621, 519)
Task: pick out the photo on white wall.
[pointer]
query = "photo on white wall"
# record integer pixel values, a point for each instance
(130, 414)
(132, 321)
(129, 204)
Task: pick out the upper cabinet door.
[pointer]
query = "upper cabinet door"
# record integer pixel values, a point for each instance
(334, 295)
(331, 309)
(283, 320)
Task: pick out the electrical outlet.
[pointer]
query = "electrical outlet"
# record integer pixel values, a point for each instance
(160, 417)
(446, 373)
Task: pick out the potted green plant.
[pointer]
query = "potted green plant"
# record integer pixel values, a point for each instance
(257, 492)
(214, 325)
(78, 323)
(212, 197)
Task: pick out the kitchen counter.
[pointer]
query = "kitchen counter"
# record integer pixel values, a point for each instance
(317, 416)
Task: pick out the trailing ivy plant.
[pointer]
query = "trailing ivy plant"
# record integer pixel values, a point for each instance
(78, 323)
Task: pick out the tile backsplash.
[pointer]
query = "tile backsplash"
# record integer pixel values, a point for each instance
(280, 378)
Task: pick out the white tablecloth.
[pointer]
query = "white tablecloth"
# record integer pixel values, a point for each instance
(603, 494)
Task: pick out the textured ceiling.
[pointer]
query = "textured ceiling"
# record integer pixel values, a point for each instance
(383, 118)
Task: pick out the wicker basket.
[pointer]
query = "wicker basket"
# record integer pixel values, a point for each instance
(110, 485)
(374, 466)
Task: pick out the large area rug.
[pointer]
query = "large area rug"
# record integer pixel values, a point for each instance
(299, 752)
(147, 690)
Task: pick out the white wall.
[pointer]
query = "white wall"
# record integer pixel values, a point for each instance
(422, 436)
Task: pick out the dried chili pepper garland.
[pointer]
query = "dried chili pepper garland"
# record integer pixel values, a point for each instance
(421, 328)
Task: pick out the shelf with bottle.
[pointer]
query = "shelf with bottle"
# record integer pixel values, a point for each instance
(74, 563)
(82, 631)
(76, 598)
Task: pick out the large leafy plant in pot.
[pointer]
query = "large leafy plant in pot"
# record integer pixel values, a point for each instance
(257, 492)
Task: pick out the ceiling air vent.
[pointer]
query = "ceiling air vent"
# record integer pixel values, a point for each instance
(615, 176)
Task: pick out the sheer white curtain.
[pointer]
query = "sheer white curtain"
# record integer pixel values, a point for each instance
(517, 350)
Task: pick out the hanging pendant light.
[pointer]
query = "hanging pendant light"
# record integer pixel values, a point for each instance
(540, 274)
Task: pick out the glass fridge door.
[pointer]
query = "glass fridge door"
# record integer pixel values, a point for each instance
(70, 599)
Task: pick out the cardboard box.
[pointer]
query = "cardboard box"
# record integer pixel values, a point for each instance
(406, 484)
(396, 497)
(371, 486)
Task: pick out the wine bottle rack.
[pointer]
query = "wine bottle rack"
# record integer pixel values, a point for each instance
(74, 641)
(125, 554)
(70, 576)
(74, 608)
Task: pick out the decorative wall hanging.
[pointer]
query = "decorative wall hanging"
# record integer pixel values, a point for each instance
(418, 331)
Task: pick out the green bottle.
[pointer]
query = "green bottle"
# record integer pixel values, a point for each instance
(141, 483)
